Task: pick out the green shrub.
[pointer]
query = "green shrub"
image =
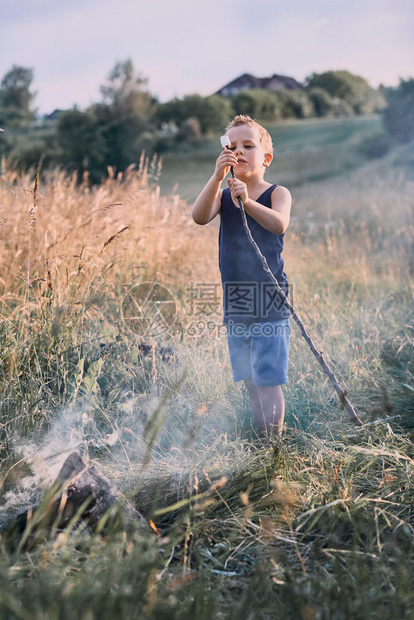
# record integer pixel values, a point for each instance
(212, 113)
(322, 102)
(350, 88)
(297, 104)
(376, 146)
(258, 103)
(398, 117)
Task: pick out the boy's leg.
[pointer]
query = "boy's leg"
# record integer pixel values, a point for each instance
(268, 406)
(255, 401)
(273, 410)
(269, 358)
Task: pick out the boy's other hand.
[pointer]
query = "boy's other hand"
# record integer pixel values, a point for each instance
(238, 189)
(225, 160)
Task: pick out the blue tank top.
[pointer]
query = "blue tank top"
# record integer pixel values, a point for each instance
(249, 295)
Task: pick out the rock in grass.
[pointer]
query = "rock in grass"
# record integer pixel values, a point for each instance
(80, 495)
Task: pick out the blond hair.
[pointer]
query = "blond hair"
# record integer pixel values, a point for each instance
(265, 139)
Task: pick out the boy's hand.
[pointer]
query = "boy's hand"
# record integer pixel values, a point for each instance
(225, 160)
(238, 189)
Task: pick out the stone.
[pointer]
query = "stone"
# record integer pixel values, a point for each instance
(80, 493)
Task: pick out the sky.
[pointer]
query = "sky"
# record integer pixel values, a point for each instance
(188, 46)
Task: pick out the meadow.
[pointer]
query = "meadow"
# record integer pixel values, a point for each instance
(305, 151)
(317, 525)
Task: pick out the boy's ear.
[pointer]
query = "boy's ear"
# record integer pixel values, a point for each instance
(267, 160)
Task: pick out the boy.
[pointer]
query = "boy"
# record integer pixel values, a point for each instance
(257, 322)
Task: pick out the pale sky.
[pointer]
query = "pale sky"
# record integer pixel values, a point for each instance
(188, 46)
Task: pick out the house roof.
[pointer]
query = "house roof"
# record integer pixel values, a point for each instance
(54, 115)
(247, 81)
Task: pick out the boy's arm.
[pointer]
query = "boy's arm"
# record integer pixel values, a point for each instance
(276, 219)
(208, 202)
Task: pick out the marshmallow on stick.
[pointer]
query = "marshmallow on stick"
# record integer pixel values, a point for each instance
(225, 141)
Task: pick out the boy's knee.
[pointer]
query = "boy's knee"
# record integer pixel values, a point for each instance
(249, 384)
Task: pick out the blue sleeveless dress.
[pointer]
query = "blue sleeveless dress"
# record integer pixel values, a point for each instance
(249, 296)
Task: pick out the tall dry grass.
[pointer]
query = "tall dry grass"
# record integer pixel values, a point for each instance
(318, 526)
(77, 233)
(69, 253)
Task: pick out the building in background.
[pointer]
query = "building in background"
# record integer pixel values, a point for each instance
(248, 81)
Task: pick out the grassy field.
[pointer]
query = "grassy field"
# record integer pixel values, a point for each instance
(318, 525)
(308, 150)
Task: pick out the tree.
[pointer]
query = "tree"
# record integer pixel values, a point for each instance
(398, 117)
(125, 114)
(81, 142)
(273, 105)
(122, 81)
(258, 103)
(212, 113)
(16, 98)
(113, 132)
(352, 89)
(323, 103)
(5, 146)
(296, 103)
(189, 131)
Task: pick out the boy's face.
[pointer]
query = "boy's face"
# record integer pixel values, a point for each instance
(251, 158)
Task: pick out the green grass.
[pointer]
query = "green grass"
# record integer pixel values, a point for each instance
(319, 525)
(305, 151)
(316, 528)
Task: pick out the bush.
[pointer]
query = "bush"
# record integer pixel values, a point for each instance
(82, 143)
(350, 88)
(147, 142)
(5, 145)
(297, 104)
(322, 102)
(190, 131)
(258, 103)
(376, 146)
(37, 154)
(342, 107)
(271, 106)
(398, 117)
(212, 113)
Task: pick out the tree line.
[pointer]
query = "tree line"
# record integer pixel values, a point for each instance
(129, 119)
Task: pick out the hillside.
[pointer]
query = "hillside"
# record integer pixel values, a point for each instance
(305, 150)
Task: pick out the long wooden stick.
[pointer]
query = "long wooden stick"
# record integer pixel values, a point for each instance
(318, 354)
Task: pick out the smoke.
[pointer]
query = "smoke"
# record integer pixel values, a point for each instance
(72, 430)
(162, 430)
(46, 458)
